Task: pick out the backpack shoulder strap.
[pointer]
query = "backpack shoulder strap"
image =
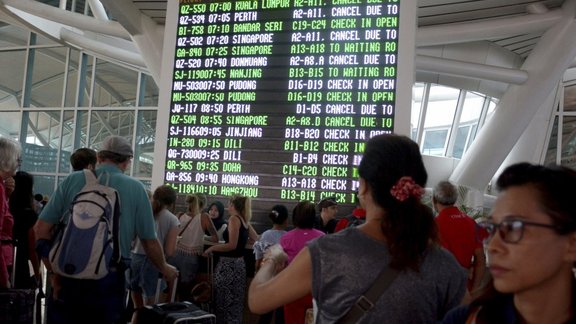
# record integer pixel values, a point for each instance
(90, 176)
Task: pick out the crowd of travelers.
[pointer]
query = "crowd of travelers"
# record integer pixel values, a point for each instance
(394, 259)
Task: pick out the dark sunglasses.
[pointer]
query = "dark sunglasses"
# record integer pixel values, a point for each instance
(510, 230)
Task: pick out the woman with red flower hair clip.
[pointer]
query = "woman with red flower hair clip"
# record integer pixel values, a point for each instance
(396, 249)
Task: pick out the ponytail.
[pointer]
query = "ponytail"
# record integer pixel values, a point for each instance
(410, 228)
(243, 205)
(393, 169)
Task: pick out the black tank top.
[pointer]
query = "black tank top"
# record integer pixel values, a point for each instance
(242, 240)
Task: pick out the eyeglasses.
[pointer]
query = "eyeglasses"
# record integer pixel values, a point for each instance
(510, 230)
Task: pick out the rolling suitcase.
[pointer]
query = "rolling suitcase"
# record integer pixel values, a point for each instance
(16, 305)
(173, 312)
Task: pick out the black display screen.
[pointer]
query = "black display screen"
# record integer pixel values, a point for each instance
(275, 99)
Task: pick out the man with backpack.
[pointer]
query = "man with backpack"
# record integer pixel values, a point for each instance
(103, 211)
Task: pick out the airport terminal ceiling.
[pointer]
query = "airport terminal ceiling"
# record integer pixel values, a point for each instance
(430, 13)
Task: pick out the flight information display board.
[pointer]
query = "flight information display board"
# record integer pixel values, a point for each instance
(275, 99)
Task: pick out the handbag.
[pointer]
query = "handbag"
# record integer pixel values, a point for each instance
(202, 292)
(367, 300)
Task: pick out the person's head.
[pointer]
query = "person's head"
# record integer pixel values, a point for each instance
(216, 210)
(22, 197)
(116, 150)
(392, 176)
(533, 219)
(9, 157)
(83, 158)
(328, 208)
(278, 215)
(38, 197)
(445, 195)
(193, 204)
(201, 201)
(242, 206)
(163, 197)
(304, 214)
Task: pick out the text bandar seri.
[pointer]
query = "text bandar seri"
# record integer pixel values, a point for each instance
(276, 98)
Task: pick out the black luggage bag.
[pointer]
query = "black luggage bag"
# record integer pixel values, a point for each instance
(16, 305)
(173, 312)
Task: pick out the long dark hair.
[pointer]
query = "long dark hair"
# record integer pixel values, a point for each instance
(22, 198)
(408, 225)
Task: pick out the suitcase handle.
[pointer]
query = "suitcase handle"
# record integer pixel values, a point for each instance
(172, 307)
(159, 286)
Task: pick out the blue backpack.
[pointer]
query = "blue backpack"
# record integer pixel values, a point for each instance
(88, 246)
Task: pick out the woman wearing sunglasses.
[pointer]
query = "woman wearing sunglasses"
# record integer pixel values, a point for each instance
(531, 250)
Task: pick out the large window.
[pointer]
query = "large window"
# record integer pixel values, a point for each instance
(452, 118)
(55, 99)
(562, 143)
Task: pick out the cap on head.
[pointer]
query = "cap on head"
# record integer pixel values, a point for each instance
(327, 202)
(118, 145)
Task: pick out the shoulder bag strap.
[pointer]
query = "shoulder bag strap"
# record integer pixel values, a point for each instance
(185, 227)
(366, 302)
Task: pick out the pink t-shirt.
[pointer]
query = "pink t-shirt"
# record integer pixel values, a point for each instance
(296, 239)
(6, 235)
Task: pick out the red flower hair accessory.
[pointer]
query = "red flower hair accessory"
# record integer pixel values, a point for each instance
(406, 187)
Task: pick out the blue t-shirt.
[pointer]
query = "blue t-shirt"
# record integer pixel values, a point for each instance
(136, 217)
(267, 239)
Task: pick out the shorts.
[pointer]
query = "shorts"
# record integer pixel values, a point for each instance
(143, 276)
